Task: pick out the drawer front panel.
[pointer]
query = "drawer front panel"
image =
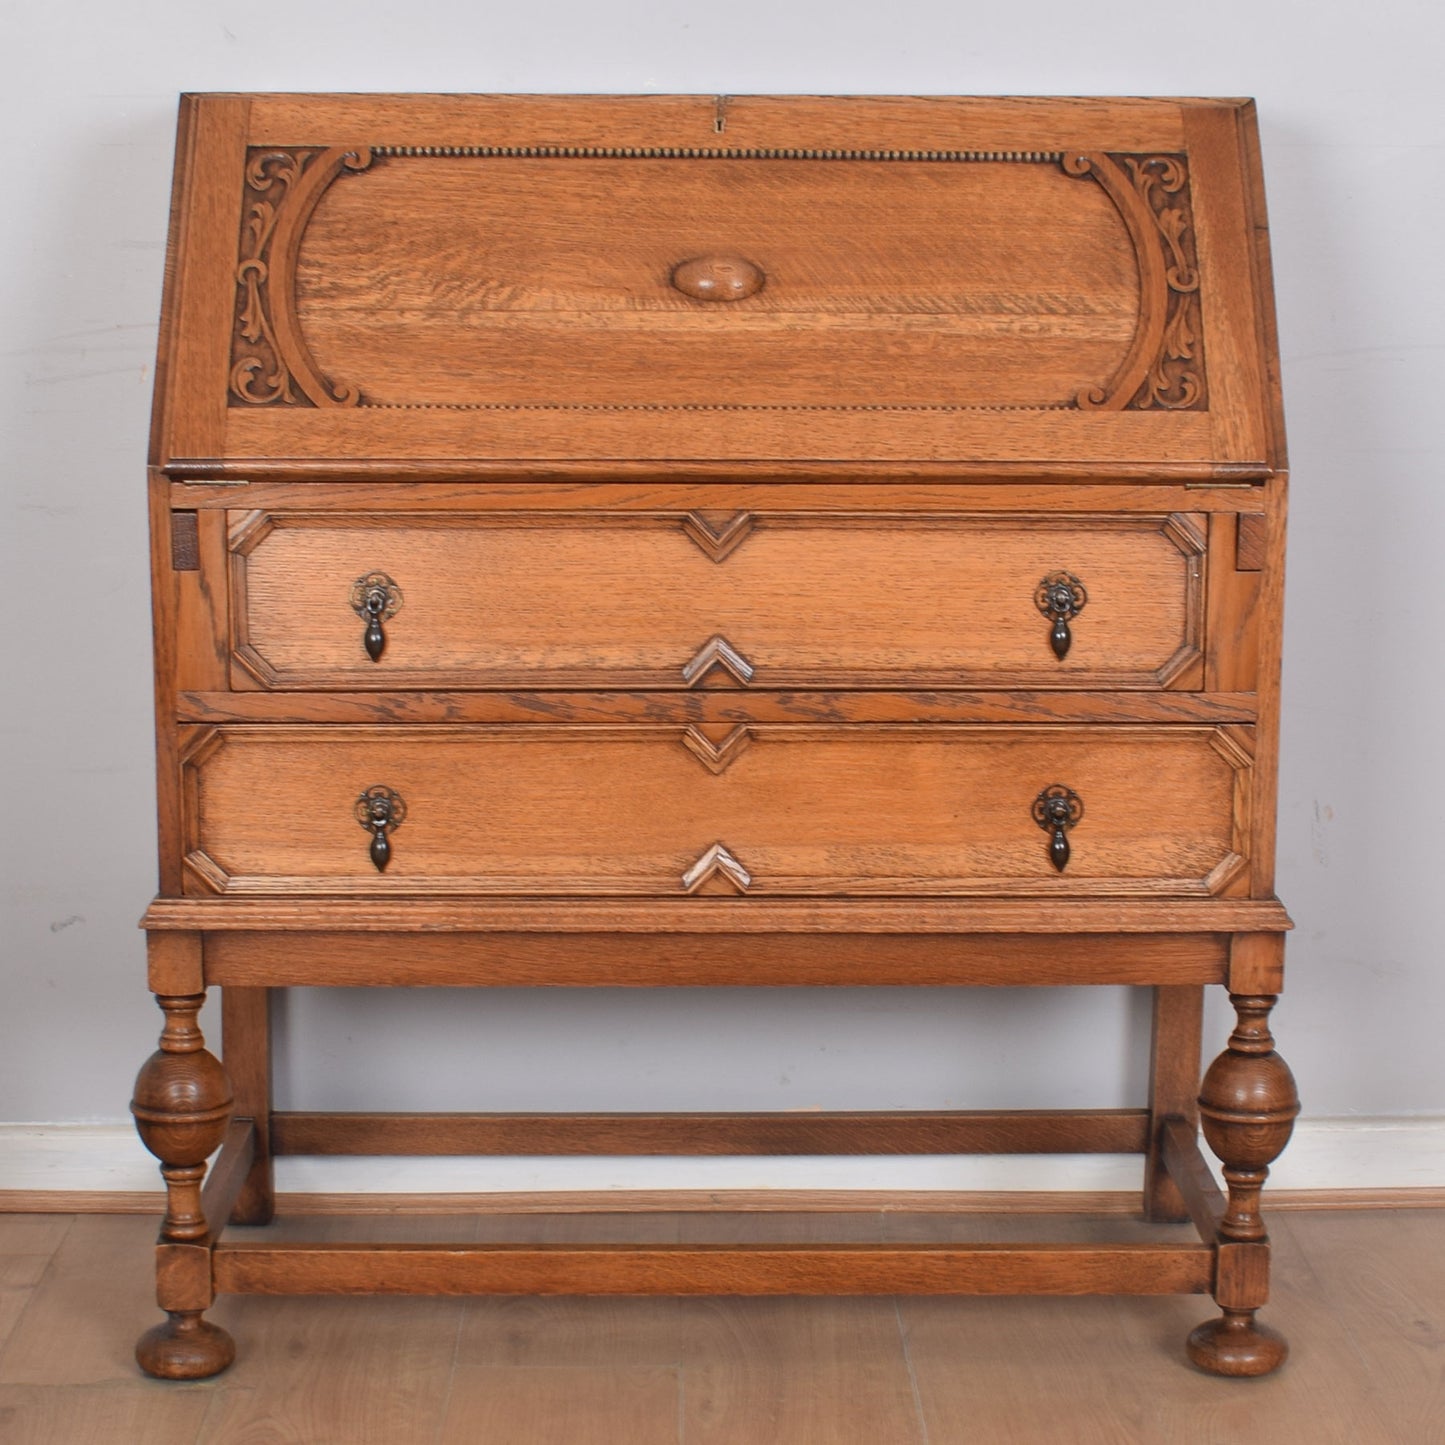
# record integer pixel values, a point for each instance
(760, 811)
(633, 601)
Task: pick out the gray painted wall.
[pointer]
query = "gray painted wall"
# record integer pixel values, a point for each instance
(1352, 121)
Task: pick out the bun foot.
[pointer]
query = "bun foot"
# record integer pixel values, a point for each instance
(185, 1347)
(1235, 1345)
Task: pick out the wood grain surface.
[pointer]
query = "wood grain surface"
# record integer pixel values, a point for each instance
(624, 600)
(956, 280)
(830, 811)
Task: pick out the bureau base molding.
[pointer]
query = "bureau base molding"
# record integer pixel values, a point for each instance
(1349, 1163)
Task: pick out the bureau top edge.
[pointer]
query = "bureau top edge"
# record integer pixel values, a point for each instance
(1026, 287)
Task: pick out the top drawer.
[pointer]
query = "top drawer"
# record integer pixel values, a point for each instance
(707, 599)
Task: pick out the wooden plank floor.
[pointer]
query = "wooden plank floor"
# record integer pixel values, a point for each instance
(1360, 1294)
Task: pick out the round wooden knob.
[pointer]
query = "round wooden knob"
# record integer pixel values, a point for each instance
(718, 278)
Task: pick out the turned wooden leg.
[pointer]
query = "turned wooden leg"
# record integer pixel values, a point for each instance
(182, 1105)
(1248, 1106)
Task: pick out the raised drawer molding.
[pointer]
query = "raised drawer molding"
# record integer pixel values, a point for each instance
(692, 540)
(826, 810)
(623, 600)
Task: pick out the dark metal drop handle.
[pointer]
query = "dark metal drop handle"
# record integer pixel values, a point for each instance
(380, 810)
(381, 846)
(374, 637)
(1059, 638)
(374, 598)
(1060, 597)
(1058, 846)
(1056, 810)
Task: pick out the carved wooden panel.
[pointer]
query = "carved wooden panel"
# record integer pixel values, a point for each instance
(844, 810)
(793, 600)
(446, 284)
(472, 304)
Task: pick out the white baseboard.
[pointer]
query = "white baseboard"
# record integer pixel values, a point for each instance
(1325, 1154)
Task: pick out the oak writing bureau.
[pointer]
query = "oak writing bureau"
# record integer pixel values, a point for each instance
(716, 541)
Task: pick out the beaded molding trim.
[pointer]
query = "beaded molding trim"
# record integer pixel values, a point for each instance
(713, 153)
(705, 406)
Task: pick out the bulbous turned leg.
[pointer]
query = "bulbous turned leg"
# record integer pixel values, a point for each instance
(182, 1105)
(1247, 1105)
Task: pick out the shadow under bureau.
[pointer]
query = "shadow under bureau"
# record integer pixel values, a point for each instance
(716, 541)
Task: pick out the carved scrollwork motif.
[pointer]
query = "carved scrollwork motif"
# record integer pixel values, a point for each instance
(1165, 365)
(1176, 378)
(258, 374)
(270, 362)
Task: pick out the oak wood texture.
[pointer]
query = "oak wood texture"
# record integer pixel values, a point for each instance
(713, 1269)
(818, 488)
(627, 960)
(1109, 1131)
(246, 1048)
(623, 600)
(1173, 1085)
(959, 342)
(730, 707)
(717, 916)
(713, 527)
(615, 811)
(540, 321)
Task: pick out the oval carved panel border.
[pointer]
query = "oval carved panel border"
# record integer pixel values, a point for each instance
(272, 365)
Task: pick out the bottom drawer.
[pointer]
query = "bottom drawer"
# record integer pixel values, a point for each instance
(760, 810)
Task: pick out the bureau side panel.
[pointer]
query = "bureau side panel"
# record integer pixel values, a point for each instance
(198, 313)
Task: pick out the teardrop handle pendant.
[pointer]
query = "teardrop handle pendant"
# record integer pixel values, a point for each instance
(1056, 810)
(373, 598)
(374, 637)
(1060, 597)
(379, 810)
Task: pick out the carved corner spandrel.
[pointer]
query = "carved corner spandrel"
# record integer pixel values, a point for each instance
(271, 365)
(1164, 368)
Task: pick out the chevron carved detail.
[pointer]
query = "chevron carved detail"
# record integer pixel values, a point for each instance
(717, 757)
(717, 862)
(718, 533)
(717, 652)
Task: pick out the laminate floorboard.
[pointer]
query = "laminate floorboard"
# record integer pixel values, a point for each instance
(1382, 1277)
(795, 1370)
(333, 1371)
(563, 1405)
(12, 1306)
(27, 1244)
(33, 1233)
(99, 1415)
(83, 1317)
(1359, 1294)
(603, 1332)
